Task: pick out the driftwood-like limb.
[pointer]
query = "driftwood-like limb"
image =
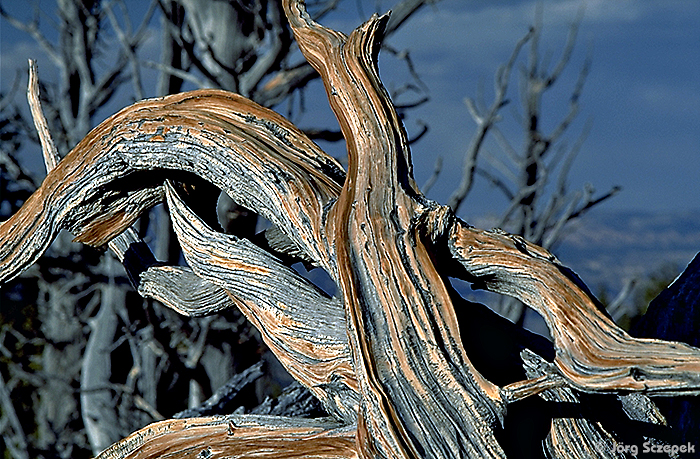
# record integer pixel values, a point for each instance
(244, 436)
(576, 437)
(96, 405)
(96, 399)
(403, 331)
(299, 323)
(281, 172)
(386, 357)
(183, 291)
(593, 353)
(48, 147)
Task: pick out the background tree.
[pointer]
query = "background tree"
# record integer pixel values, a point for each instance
(534, 178)
(77, 402)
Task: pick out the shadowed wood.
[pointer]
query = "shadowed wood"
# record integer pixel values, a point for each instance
(385, 357)
(299, 323)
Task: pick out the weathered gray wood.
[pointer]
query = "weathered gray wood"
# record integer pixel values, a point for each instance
(301, 325)
(96, 398)
(593, 353)
(225, 394)
(255, 155)
(402, 327)
(576, 437)
(219, 437)
(386, 358)
(183, 291)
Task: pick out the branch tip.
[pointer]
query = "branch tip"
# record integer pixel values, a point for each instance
(48, 147)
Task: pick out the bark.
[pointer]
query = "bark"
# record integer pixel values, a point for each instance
(389, 358)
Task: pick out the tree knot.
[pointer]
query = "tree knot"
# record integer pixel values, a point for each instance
(434, 221)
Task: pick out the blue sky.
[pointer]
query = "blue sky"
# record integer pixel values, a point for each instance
(642, 94)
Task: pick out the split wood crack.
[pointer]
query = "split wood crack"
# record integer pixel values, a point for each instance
(386, 357)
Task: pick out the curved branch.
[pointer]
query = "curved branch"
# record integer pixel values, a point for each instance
(183, 291)
(259, 158)
(215, 437)
(402, 327)
(302, 326)
(593, 353)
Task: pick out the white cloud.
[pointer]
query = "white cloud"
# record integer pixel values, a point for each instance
(597, 10)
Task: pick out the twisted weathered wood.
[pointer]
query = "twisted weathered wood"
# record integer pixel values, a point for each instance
(298, 322)
(260, 159)
(183, 291)
(402, 327)
(220, 437)
(593, 353)
(385, 357)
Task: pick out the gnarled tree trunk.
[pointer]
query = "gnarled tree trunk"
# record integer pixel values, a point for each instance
(403, 366)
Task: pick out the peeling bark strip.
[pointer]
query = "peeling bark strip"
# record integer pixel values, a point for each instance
(386, 358)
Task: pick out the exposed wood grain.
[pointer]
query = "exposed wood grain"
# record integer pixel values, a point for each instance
(48, 148)
(183, 291)
(255, 155)
(402, 328)
(593, 353)
(239, 436)
(299, 323)
(386, 358)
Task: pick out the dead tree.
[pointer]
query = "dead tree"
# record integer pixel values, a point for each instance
(532, 179)
(392, 357)
(86, 82)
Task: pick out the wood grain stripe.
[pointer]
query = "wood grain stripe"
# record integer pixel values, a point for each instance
(301, 325)
(416, 381)
(255, 155)
(593, 353)
(239, 436)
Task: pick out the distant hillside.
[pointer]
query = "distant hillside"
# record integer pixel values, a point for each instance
(606, 248)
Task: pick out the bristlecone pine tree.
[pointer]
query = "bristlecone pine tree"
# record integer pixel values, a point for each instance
(403, 366)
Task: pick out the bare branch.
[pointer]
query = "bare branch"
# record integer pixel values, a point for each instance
(497, 182)
(484, 122)
(48, 148)
(32, 28)
(130, 42)
(12, 434)
(617, 308)
(434, 176)
(6, 99)
(184, 75)
(568, 50)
